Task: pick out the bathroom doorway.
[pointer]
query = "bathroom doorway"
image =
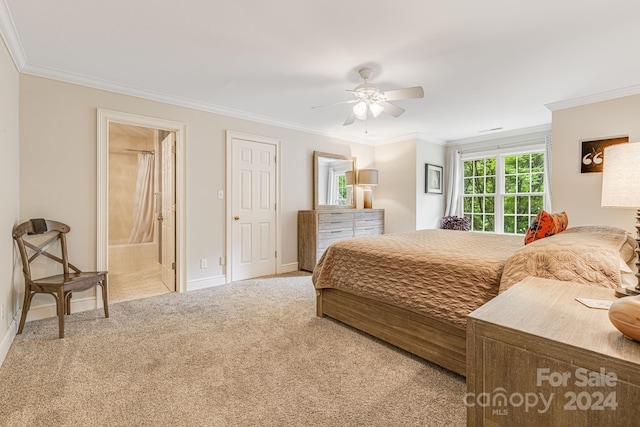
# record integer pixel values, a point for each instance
(141, 214)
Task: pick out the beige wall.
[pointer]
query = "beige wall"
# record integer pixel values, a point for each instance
(429, 206)
(58, 141)
(10, 277)
(401, 185)
(579, 194)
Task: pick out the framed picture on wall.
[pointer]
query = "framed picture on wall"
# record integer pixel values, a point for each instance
(593, 153)
(433, 179)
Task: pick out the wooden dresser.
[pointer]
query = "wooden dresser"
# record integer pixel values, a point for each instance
(317, 229)
(538, 357)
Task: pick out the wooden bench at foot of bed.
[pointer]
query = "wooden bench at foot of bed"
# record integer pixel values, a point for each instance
(419, 334)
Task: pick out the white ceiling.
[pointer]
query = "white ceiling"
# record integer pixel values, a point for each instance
(483, 64)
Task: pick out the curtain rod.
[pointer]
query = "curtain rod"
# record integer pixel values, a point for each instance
(499, 146)
(130, 150)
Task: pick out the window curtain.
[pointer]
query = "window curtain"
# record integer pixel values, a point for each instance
(142, 229)
(547, 173)
(454, 184)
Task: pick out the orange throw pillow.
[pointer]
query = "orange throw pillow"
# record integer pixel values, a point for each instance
(546, 225)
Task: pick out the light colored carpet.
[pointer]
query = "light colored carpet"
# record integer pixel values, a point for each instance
(251, 353)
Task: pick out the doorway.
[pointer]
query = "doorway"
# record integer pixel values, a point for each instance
(141, 225)
(140, 205)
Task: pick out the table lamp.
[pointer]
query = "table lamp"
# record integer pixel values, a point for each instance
(621, 188)
(368, 178)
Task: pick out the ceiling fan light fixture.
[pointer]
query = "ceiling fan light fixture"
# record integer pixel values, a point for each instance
(376, 109)
(360, 110)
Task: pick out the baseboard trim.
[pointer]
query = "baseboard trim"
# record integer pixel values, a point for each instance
(44, 311)
(206, 282)
(289, 268)
(8, 337)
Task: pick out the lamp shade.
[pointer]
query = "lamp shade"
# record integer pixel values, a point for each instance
(348, 178)
(368, 177)
(621, 176)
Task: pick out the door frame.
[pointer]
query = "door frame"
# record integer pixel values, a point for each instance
(231, 135)
(105, 117)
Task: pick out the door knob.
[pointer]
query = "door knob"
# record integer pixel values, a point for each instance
(236, 218)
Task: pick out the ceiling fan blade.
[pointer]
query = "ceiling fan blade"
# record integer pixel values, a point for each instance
(336, 103)
(350, 119)
(406, 93)
(389, 108)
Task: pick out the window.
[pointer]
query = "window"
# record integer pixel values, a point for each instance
(503, 193)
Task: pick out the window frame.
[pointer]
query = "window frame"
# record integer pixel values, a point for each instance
(499, 154)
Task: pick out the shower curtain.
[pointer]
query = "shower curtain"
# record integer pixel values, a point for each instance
(143, 210)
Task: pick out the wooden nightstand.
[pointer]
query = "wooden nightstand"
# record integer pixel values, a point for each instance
(536, 356)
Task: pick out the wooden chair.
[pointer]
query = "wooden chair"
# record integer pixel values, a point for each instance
(61, 286)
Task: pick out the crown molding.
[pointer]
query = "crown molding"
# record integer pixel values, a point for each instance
(598, 97)
(10, 36)
(499, 135)
(83, 80)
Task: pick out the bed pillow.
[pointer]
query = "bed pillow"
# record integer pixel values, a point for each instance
(546, 224)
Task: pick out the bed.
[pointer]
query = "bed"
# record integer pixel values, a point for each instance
(414, 290)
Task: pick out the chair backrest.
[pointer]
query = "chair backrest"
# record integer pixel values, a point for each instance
(42, 226)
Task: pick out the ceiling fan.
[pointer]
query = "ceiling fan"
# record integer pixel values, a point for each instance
(369, 100)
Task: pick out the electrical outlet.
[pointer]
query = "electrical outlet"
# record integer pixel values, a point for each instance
(223, 260)
(220, 194)
(203, 263)
(2, 312)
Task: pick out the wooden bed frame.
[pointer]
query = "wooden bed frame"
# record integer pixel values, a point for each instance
(432, 339)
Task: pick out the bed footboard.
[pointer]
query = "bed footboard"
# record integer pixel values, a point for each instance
(422, 335)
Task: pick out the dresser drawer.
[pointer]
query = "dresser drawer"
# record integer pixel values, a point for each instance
(369, 214)
(332, 221)
(369, 230)
(333, 235)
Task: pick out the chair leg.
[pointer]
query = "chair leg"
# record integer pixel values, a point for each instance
(67, 301)
(28, 295)
(60, 304)
(105, 297)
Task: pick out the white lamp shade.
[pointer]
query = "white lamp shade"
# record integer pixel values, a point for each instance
(360, 110)
(368, 177)
(621, 176)
(376, 109)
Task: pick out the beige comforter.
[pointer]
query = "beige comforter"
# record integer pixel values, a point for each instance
(447, 274)
(444, 273)
(593, 255)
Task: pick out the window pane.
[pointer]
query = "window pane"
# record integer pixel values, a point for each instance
(509, 224)
(491, 185)
(489, 204)
(509, 205)
(489, 223)
(467, 204)
(477, 222)
(479, 185)
(537, 182)
(522, 205)
(468, 168)
(479, 168)
(537, 204)
(510, 184)
(468, 186)
(510, 164)
(522, 223)
(477, 204)
(490, 166)
(537, 162)
(524, 184)
(523, 163)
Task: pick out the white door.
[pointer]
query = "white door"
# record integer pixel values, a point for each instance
(168, 209)
(253, 209)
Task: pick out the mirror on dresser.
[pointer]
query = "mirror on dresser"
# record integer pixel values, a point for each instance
(333, 176)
